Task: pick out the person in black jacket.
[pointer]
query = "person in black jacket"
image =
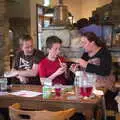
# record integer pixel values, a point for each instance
(96, 59)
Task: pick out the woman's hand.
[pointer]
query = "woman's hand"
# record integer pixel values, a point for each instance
(82, 63)
(74, 67)
(22, 79)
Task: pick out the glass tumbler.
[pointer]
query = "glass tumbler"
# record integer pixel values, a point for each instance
(58, 90)
(3, 84)
(87, 84)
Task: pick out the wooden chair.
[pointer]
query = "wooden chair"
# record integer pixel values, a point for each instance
(118, 116)
(16, 113)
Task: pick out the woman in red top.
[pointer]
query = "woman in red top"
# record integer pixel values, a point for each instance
(53, 67)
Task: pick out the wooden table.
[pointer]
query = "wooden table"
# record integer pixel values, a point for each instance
(117, 84)
(91, 108)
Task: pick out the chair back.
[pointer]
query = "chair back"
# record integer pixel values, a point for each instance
(16, 113)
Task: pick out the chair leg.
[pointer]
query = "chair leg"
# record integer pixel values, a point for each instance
(1, 117)
(117, 116)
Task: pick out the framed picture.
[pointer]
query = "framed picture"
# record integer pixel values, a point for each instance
(107, 34)
(116, 38)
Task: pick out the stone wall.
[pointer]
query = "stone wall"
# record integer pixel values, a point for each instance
(4, 42)
(109, 13)
(116, 12)
(18, 26)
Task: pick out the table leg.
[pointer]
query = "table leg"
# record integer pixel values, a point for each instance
(100, 112)
(88, 115)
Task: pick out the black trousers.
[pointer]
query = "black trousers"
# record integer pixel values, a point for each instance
(110, 102)
(78, 116)
(4, 114)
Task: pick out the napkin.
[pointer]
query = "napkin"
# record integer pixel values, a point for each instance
(98, 92)
(117, 98)
(26, 93)
(3, 93)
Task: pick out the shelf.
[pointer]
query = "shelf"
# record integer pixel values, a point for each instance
(116, 59)
(115, 49)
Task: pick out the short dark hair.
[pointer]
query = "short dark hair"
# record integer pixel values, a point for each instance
(25, 37)
(51, 40)
(82, 23)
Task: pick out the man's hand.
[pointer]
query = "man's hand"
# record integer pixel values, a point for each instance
(60, 71)
(22, 79)
(64, 65)
(12, 73)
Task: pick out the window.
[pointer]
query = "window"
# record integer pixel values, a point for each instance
(47, 2)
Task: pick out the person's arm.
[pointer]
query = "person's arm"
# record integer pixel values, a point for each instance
(105, 66)
(103, 69)
(25, 73)
(30, 72)
(42, 80)
(43, 76)
(83, 63)
(59, 71)
(38, 56)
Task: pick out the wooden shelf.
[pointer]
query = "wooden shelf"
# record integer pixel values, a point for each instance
(117, 84)
(116, 59)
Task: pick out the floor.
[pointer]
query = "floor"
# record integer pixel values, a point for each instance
(111, 106)
(112, 115)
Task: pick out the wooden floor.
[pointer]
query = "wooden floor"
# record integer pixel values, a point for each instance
(117, 116)
(112, 115)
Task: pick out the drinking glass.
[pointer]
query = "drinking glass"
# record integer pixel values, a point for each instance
(46, 91)
(47, 82)
(87, 84)
(58, 90)
(86, 89)
(3, 84)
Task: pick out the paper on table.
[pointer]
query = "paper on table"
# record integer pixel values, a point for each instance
(26, 93)
(3, 93)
